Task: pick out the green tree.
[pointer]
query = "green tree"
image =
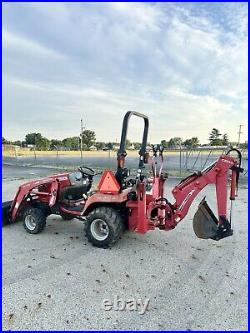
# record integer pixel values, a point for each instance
(71, 143)
(214, 137)
(100, 145)
(40, 142)
(137, 145)
(43, 144)
(244, 145)
(174, 142)
(75, 143)
(67, 143)
(17, 143)
(128, 144)
(164, 143)
(32, 138)
(191, 143)
(88, 138)
(188, 143)
(55, 144)
(110, 146)
(225, 140)
(4, 141)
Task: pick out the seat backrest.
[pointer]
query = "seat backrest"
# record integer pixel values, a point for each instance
(74, 192)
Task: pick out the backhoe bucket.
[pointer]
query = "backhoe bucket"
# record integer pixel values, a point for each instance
(6, 212)
(205, 224)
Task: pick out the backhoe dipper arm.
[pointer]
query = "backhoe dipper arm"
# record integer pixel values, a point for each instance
(185, 192)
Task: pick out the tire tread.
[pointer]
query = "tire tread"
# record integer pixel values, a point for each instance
(40, 217)
(115, 222)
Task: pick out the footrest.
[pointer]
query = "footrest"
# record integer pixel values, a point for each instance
(78, 208)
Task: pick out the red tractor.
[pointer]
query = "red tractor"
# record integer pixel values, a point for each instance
(122, 202)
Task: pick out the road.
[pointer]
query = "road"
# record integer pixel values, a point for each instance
(57, 281)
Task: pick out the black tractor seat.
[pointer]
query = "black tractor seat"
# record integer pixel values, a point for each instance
(74, 192)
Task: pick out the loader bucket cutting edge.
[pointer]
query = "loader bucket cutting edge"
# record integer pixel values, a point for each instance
(205, 224)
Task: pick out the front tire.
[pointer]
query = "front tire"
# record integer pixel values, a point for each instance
(34, 220)
(104, 226)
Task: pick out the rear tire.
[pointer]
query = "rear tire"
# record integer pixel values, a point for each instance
(104, 226)
(34, 220)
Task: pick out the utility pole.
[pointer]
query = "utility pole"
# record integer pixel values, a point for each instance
(239, 133)
(81, 140)
(180, 158)
(34, 148)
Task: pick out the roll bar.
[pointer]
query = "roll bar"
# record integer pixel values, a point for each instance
(126, 118)
(121, 154)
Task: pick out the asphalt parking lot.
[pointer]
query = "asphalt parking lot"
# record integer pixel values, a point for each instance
(57, 281)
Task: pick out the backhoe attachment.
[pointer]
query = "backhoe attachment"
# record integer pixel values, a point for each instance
(205, 224)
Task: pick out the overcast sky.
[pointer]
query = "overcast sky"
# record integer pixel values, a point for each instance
(182, 64)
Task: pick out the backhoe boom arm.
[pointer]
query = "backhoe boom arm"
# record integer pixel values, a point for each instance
(185, 192)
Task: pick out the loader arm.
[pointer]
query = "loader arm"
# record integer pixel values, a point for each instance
(30, 188)
(217, 174)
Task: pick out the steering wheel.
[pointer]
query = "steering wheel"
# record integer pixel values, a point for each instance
(86, 171)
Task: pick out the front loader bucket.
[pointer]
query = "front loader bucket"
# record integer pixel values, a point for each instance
(6, 212)
(205, 224)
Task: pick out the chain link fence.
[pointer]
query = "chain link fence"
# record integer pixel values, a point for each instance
(178, 161)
